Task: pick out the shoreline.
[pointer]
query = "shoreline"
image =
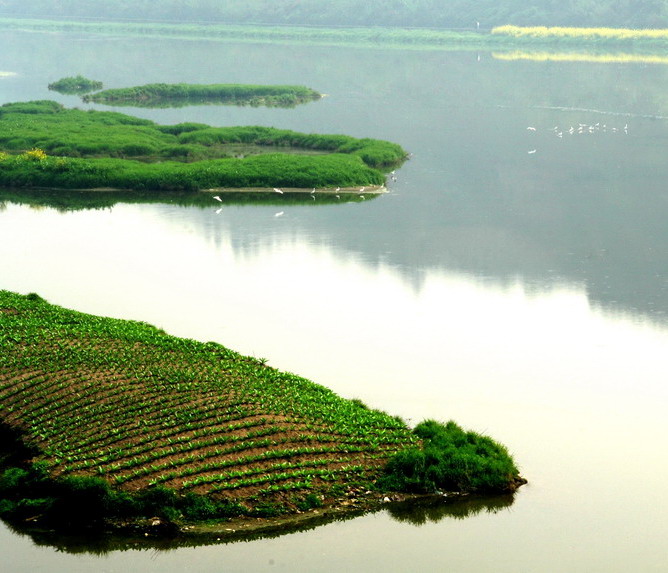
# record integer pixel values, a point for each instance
(355, 190)
(358, 37)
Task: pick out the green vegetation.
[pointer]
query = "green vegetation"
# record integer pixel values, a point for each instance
(404, 13)
(450, 459)
(75, 85)
(116, 419)
(176, 95)
(615, 36)
(42, 144)
(388, 37)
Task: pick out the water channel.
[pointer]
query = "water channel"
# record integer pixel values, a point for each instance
(513, 279)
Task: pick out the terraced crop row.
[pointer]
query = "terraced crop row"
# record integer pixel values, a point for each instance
(123, 401)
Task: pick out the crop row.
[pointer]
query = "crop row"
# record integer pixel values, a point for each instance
(126, 402)
(184, 468)
(309, 474)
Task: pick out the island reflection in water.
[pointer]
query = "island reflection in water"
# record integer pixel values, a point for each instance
(417, 513)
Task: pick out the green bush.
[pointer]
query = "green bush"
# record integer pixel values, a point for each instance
(75, 85)
(452, 460)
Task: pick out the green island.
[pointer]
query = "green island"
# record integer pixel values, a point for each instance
(75, 85)
(178, 95)
(45, 145)
(500, 36)
(116, 424)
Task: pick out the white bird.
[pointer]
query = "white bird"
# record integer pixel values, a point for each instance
(362, 189)
(313, 191)
(531, 152)
(278, 191)
(279, 214)
(338, 189)
(217, 198)
(531, 128)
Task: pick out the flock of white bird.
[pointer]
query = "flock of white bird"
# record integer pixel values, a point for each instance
(581, 129)
(393, 177)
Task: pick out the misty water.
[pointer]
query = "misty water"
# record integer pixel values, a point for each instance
(513, 279)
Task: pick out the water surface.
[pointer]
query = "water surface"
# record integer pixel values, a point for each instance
(520, 292)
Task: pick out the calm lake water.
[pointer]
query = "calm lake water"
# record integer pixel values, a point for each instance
(513, 279)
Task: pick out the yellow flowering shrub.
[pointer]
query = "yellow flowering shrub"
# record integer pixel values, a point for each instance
(35, 154)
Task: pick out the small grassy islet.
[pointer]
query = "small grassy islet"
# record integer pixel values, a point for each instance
(177, 95)
(43, 144)
(114, 419)
(75, 85)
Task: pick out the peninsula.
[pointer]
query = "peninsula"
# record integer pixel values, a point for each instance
(107, 421)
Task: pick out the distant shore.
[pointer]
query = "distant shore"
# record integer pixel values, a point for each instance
(498, 38)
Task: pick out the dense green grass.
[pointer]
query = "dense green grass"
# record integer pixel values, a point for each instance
(264, 171)
(450, 459)
(47, 145)
(179, 428)
(75, 85)
(174, 95)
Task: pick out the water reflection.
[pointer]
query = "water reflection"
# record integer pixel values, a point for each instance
(520, 294)
(266, 286)
(416, 513)
(433, 511)
(74, 200)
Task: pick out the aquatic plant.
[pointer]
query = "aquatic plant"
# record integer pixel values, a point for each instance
(75, 85)
(173, 95)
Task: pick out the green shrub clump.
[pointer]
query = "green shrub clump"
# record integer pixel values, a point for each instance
(451, 459)
(83, 501)
(75, 85)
